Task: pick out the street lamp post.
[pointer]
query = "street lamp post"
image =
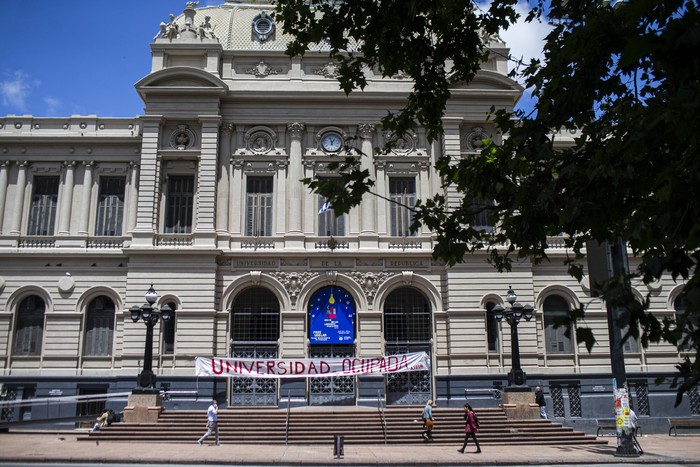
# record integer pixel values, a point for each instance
(150, 315)
(513, 314)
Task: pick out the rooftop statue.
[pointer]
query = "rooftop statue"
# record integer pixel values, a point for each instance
(169, 30)
(206, 30)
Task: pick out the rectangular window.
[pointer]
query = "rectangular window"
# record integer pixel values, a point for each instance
(42, 214)
(110, 206)
(480, 221)
(402, 193)
(179, 204)
(259, 206)
(328, 223)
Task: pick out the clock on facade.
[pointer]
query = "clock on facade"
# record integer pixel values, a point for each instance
(331, 142)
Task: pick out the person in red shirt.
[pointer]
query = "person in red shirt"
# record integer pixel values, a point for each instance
(471, 426)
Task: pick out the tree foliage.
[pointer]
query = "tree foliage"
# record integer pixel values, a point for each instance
(624, 76)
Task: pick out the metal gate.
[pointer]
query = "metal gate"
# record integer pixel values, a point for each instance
(337, 390)
(253, 391)
(412, 387)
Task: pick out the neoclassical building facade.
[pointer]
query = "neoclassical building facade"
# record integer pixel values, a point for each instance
(201, 196)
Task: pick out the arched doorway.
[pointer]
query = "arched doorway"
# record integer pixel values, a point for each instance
(407, 328)
(332, 335)
(255, 331)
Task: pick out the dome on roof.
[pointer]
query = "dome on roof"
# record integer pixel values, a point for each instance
(243, 25)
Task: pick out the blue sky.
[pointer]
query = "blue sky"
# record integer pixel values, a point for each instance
(66, 57)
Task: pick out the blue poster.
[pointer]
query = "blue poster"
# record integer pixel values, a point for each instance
(332, 317)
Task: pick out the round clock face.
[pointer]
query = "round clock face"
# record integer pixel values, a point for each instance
(331, 142)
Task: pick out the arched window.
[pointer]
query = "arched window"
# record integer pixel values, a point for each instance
(168, 331)
(99, 327)
(407, 317)
(255, 316)
(29, 331)
(556, 308)
(680, 304)
(491, 328)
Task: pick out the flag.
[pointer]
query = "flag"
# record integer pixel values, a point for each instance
(325, 207)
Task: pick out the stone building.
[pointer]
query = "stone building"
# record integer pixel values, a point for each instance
(201, 197)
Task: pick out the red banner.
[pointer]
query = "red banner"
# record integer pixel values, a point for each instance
(310, 367)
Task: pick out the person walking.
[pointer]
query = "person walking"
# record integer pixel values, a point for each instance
(212, 423)
(471, 426)
(428, 421)
(539, 400)
(633, 425)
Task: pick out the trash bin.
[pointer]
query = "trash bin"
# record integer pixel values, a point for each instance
(338, 442)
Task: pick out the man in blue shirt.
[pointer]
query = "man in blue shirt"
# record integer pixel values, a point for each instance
(428, 421)
(212, 423)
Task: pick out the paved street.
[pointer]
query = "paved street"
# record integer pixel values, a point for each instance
(64, 448)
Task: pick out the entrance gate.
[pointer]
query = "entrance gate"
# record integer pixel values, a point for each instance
(336, 390)
(253, 391)
(411, 387)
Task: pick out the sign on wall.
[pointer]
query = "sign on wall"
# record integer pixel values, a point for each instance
(332, 317)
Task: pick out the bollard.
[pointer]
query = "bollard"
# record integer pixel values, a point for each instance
(338, 442)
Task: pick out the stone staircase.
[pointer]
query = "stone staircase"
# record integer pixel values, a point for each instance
(359, 425)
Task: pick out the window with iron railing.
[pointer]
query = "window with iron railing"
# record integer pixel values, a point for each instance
(110, 207)
(179, 204)
(402, 193)
(42, 212)
(328, 223)
(259, 206)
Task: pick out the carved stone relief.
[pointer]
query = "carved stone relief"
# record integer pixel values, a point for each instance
(293, 282)
(370, 281)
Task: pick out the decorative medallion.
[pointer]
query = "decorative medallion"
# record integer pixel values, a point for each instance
(182, 138)
(402, 146)
(260, 142)
(370, 281)
(474, 141)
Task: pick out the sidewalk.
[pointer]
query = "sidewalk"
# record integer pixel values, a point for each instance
(21, 447)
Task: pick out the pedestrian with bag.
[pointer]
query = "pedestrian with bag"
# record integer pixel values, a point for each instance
(428, 422)
(539, 400)
(471, 426)
(212, 423)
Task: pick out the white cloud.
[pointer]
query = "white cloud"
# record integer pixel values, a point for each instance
(15, 90)
(52, 105)
(525, 39)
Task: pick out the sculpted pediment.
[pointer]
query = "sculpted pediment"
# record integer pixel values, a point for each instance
(178, 77)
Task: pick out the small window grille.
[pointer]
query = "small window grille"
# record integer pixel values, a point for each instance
(694, 396)
(641, 390)
(557, 401)
(574, 400)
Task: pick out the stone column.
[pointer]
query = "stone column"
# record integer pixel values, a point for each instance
(295, 174)
(4, 167)
(238, 203)
(143, 234)
(381, 206)
(133, 196)
(87, 198)
(368, 220)
(204, 232)
(223, 190)
(16, 225)
(67, 201)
